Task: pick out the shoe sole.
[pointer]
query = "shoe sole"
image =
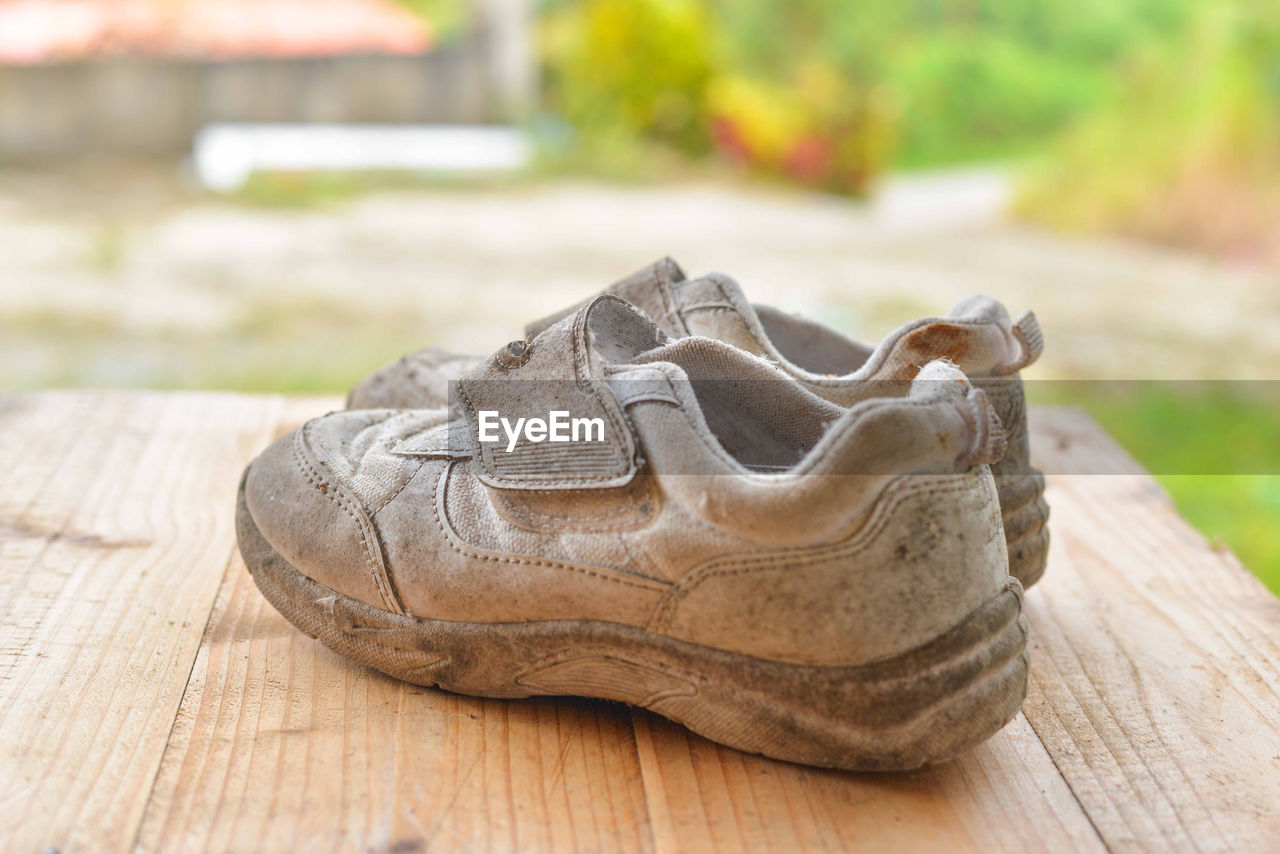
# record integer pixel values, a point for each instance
(922, 707)
(1026, 516)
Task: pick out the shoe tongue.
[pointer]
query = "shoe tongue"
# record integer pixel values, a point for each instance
(558, 371)
(650, 289)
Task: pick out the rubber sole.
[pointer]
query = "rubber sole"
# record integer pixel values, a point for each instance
(922, 707)
(1026, 531)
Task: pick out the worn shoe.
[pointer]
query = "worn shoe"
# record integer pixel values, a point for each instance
(977, 335)
(816, 583)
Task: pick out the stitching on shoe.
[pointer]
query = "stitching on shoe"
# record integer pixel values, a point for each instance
(582, 369)
(315, 478)
(373, 511)
(462, 548)
(854, 545)
(529, 513)
(722, 567)
(669, 297)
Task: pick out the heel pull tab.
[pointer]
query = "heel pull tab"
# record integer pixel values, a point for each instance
(1026, 331)
(989, 439)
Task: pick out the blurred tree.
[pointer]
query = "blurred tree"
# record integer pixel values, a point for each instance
(448, 18)
(637, 68)
(828, 92)
(1190, 153)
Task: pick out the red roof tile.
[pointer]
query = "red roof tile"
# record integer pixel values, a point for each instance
(34, 31)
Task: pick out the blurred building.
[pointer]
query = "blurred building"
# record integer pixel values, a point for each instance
(143, 76)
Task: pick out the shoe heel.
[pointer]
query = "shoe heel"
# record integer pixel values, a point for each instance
(1026, 516)
(1021, 487)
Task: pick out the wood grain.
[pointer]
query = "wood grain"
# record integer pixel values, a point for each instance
(115, 531)
(1156, 661)
(150, 698)
(282, 745)
(1005, 795)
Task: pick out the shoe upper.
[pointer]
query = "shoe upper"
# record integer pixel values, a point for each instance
(419, 380)
(719, 502)
(977, 335)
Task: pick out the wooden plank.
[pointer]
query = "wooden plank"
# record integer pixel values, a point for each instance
(115, 531)
(281, 745)
(1153, 720)
(1005, 795)
(1156, 660)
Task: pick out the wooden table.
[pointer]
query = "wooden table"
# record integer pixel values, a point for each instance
(150, 697)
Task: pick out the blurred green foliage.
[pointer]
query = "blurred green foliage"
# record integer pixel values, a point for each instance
(1238, 511)
(967, 78)
(447, 18)
(815, 128)
(982, 96)
(1190, 151)
(633, 69)
(829, 93)
(1211, 445)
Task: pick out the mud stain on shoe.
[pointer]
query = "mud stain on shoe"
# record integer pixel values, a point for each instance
(939, 340)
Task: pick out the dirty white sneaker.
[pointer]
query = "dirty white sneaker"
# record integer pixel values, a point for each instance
(977, 335)
(814, 582)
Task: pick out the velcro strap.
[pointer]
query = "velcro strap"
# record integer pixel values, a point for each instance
(638, 385)
(547, 419)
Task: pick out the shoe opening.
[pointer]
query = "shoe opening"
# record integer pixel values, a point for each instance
(763, 419)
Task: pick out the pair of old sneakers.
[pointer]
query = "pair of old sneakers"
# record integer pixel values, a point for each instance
(788, 541)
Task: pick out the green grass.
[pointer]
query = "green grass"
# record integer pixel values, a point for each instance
(1214, 446)
(318, 190)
